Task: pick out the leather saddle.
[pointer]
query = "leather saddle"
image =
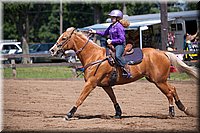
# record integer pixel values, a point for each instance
(131, 55)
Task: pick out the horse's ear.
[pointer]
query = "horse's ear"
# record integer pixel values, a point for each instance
(70, 29)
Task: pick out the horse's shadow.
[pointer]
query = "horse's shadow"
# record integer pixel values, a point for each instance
(103, 116)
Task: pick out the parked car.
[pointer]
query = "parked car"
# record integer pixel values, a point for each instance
(70, 56)
(43, 48)
(10, 47)
(40, 48)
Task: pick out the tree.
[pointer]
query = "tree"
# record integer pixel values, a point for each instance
(48, 28)
(40, 22)
(18, 15)
(78, 15)
(193, 5)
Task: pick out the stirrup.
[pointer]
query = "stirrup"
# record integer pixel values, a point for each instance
(110, 60)
(127, 75)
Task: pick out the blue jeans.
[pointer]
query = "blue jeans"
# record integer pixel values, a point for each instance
(118, 55)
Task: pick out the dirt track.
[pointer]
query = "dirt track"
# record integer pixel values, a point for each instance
(40, 105)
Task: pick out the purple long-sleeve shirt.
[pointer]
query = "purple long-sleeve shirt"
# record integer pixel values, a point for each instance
(116, 32)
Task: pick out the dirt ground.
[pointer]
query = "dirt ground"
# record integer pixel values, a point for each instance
(40, 105)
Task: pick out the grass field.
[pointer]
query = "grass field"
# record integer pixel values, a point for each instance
(60, 72)
(40, 72)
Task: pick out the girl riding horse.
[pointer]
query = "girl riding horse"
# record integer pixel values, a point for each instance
(117, 39)
(155, 67)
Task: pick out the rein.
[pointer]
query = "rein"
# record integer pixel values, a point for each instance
(65, 41)
(81, 49)
(78, 51)
(91, 64)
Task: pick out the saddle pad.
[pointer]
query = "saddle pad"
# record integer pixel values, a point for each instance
(135, 57)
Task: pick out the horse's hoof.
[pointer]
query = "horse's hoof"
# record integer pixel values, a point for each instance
(188, 113)
(171, 114)
(117, 117)
(67, 118)
(171, 111)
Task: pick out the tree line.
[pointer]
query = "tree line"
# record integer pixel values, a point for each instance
(40, 22)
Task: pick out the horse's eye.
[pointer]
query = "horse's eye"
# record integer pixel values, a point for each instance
(63, 38)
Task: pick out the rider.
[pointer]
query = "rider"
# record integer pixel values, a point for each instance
(117, 39)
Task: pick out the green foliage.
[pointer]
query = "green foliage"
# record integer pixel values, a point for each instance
(154, 10)
(10, 31)
(40, 22)
(141, 8)
(77, 15)
(192, 5)
(174, 9)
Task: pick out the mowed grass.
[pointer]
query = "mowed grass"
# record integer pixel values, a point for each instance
(61, 72)
(40, 72)
(179, 76)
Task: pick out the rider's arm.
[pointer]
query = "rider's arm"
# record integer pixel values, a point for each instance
(104, 33)
(193, 36)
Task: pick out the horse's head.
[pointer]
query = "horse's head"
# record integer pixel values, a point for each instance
(63, 43)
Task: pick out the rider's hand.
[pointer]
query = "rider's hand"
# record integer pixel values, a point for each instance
(109, 41)
(92, 31)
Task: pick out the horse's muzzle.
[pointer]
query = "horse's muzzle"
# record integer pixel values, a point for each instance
(51, 51)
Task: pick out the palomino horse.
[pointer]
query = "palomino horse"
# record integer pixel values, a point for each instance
(155, 67)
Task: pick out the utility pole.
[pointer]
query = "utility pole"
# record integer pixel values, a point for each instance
(124, 8)
(61, 18)
(97, 13)
(164, 24)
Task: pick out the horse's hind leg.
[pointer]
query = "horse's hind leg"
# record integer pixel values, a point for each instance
(111, 94)
(164, 87)
(171, 93)
(178, 101)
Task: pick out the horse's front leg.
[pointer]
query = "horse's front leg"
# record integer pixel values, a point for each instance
(111, 94)
(88, 87)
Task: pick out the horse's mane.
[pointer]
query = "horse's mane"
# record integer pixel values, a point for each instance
(82, 35)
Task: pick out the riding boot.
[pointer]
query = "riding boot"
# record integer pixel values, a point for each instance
(126, 72)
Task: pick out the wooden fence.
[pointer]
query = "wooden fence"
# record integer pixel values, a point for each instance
(13, 65)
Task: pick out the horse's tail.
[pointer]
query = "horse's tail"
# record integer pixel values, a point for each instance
(181, 66)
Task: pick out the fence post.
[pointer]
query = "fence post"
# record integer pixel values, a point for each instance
(13, 66)
(73, 70)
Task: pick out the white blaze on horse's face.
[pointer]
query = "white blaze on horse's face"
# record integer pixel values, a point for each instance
(54, 50)
(59, 47)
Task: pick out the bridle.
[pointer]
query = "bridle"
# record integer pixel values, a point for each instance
(63, 43)
(79, 50)
(67, 39)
